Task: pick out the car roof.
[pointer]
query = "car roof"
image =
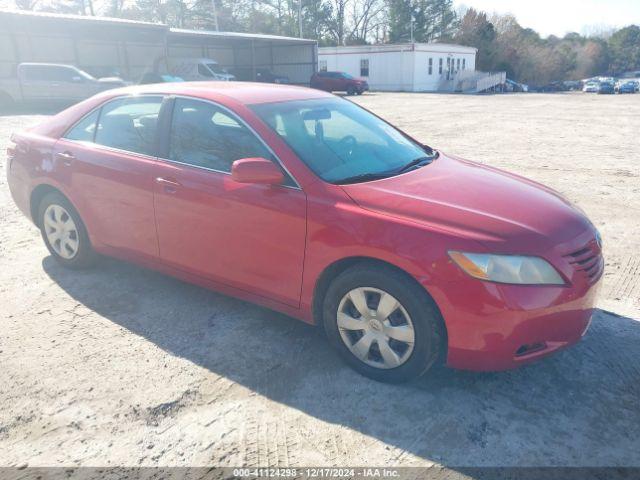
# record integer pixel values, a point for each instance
(40, 64)
(247, 93)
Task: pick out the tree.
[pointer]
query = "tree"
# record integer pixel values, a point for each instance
(476, 30)
(624, 46)
(433, 20)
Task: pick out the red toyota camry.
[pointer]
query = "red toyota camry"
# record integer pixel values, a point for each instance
(310, 205)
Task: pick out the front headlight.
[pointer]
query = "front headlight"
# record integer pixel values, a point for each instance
(515, 269)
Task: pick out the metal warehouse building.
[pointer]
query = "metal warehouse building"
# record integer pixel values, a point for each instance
(107, 46)
(411, 67)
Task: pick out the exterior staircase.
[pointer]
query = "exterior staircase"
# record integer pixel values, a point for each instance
(470, 81)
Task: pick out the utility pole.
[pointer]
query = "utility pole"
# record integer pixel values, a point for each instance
(300, 18)
(411, 28)
(215, 14)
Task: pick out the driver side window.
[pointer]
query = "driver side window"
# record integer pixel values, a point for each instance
(205, 135)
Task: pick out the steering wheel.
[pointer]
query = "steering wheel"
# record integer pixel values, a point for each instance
(348, 144)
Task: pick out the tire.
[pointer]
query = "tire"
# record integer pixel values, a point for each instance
(62, 229)
(351, 91)
(411, 359)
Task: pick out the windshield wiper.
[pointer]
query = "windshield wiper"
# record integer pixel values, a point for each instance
(418, 162)
(364, 177)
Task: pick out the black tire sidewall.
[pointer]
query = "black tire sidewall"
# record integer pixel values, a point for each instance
(420, 307)
(85, 255)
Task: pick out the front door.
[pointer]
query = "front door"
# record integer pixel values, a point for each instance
(248, 236)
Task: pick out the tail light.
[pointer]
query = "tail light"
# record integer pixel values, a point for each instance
(11, 153)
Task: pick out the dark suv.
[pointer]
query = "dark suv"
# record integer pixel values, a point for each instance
(338, 82)
(246, 74)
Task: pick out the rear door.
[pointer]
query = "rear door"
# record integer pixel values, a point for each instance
(249, 236)
(107, 160)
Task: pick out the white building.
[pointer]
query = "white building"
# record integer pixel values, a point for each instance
(410, 67)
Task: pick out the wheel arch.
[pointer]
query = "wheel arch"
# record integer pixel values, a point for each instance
(37, 194)
(337, 267)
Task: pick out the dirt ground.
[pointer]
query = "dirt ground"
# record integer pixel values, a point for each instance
(123, 366)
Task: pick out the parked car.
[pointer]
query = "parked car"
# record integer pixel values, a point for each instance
(606, 88)
(552, 87)
(245, 74)
(338, 82)
(572, 85)
(591, 87)
(629, 86)
(52, 83)
(409, 255)
(153, 77)
(197, 69)
(512, 86)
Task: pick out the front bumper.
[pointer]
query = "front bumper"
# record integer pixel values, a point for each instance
(493, 326)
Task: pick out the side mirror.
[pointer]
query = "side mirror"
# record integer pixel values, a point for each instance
(256, 170)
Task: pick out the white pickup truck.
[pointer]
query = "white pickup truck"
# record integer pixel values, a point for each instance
(198, 69)
(48, 82)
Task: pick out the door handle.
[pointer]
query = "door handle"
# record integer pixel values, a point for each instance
(170, 185)
(66, 157)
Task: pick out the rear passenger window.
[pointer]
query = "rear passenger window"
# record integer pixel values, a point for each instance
(84, 129)
(204, 135)
(129, 124)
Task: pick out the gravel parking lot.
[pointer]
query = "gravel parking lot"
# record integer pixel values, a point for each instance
(124, 366)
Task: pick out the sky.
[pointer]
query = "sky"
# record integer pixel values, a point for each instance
(557, 17)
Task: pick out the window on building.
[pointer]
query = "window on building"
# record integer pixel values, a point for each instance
(431, 66)
(323, 65)
(364, 67)
(464, 63)
(440, 66)
(458, 64)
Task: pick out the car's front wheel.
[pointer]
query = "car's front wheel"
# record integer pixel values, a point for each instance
(63, 232)
(351, 90)
(382, 323)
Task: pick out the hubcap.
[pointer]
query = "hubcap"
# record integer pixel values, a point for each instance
(61, 231)
(375, 327)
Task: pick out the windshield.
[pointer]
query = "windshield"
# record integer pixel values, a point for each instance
(84, 74)
(215, 68)
(340, 141)
(346, 75)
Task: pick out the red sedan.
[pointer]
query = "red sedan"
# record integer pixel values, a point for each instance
(310, 205)
(338, 82)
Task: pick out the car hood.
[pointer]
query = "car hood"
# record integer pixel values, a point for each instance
(501, 210)
(112, 80)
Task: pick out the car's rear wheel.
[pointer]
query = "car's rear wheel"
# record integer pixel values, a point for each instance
(382, 323)
(63, 232)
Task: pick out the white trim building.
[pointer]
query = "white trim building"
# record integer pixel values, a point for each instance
(411, 67)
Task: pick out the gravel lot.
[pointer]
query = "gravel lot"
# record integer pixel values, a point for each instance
(123, 366)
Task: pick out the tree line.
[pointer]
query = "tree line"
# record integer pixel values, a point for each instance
(503, 44)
